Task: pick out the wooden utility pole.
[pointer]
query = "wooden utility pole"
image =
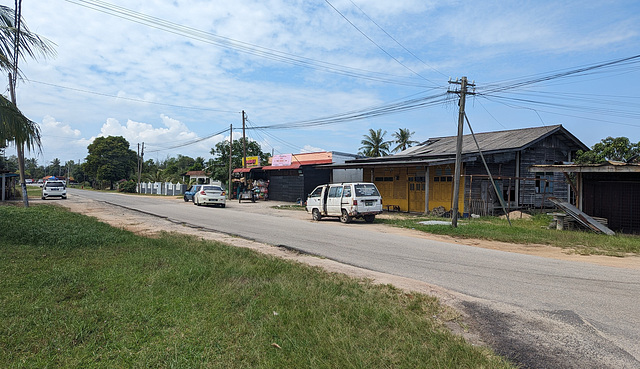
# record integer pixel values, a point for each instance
(458, 168)
(229, 187)
(244, 143)
(140, 163)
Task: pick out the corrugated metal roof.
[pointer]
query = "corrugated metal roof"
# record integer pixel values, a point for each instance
(606, 167)
(516, 139)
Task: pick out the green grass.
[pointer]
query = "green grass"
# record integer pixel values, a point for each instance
(527, 231)
(75, 292)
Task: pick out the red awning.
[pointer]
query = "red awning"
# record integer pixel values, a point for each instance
(298, 164)
(292, 166)
(244, 170)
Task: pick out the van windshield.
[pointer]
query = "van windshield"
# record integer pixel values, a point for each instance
(366, 190)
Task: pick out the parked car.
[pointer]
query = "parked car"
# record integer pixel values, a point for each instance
(345, 200)
(210, 195)
(53, 188)
(188, 194)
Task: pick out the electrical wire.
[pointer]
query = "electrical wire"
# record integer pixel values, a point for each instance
(396, 41)
(589, 69)
(190, 142)
(132, 99)
(244, 47)
(393, 108)
(375, 43)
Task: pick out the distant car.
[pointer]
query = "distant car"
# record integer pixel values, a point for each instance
(54, 188)
(188, 194)
(210, 195)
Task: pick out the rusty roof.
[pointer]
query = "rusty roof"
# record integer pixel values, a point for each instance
(508, 140)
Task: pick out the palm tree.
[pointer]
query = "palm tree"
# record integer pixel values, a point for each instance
(17, 41)
(403, 139)
(28, 44)
(374, 145)
(14, 126)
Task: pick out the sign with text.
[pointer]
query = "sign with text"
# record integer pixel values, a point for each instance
(252, 161)
(281, 160)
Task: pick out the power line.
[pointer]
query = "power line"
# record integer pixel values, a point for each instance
(241, 46)
(190, 142)
(601, 67)
(375, 43)
(396, 41)
(132, 99)
(403, 106)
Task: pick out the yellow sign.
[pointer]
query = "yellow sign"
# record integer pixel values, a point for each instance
(252, 161)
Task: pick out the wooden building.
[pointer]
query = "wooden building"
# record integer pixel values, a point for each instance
(420, 178)
(609, 190)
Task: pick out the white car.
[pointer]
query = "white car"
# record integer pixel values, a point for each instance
(54, 189)
(210, 195)
(345, 200)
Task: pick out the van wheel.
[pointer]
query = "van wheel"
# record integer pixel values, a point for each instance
(186, 199)
(315, 213)
(369, 218)
(345, 217)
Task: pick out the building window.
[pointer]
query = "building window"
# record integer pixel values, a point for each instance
(544, 182)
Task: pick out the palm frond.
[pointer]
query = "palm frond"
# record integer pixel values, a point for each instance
(15, 127)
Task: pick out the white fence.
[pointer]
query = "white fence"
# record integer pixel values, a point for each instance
(163, 188)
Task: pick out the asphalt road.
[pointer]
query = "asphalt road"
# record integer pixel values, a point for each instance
(540, 313)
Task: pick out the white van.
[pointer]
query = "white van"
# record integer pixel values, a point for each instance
(345, 200)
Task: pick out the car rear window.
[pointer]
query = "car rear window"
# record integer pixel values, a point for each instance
(366, 190)
(55, 184)
(212, 188)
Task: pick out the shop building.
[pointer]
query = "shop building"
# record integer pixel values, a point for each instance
(291, 177)
(420, 178)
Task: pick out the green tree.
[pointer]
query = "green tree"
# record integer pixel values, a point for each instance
(198, 164)
(161, 175)
(179, 165)
(11, 163)
(615, 149)
(54, 168)
(110, 159)
(403, 139)
(374, 144)
(219, 167)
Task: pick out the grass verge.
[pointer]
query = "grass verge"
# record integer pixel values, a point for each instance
(526, 231)
(78, 293)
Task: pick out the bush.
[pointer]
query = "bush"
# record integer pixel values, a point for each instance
(128, 186)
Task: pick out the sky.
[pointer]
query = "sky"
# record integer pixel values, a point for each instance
(177, 74)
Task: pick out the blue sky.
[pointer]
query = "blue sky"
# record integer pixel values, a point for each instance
(177, 72)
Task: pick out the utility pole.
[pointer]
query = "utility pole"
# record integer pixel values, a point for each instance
(140, 162)
(458, 168)
(244, 142)
(230, 152)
